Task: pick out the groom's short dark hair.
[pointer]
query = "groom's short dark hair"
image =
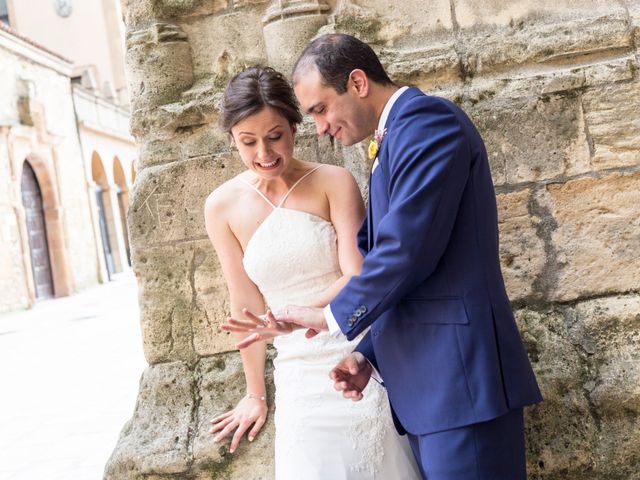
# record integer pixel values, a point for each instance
(335, 56)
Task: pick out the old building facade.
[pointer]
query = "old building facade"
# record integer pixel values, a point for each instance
(554, 88)
(67, 163)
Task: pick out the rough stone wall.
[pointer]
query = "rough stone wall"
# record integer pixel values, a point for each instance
(552, 85)
(13, 286)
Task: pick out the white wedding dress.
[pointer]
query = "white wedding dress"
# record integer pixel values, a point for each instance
(320, 435)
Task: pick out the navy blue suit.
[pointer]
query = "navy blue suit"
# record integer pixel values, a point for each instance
(442, 334)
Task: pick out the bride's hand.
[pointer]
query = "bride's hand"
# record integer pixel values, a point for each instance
(259, 328)
(249, 411)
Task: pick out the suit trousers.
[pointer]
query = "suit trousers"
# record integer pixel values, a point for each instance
(491, 450)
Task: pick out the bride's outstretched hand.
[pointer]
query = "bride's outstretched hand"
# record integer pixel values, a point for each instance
(251, 410)
(259, 328)
(352, 375)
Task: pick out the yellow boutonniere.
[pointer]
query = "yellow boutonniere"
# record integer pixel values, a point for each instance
(374, 146)
(373, 149)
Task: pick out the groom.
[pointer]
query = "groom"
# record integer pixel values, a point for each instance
(442, 337)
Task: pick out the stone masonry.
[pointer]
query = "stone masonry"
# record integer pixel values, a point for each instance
(554, 88)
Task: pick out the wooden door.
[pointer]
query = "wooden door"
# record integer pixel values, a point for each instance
(37, 232)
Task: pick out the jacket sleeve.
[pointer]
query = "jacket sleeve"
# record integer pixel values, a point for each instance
(363, 238)
(428, 164)
(365, 347)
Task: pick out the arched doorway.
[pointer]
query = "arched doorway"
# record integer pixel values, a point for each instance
(105, 216)
(123, 202)
(36, 233)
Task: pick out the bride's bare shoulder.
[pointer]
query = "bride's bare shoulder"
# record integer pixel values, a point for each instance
(334, 177)
(332, 173)
(224, 196)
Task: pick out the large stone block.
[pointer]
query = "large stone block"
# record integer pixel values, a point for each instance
(522, 251)
(211, 303)
(633, 8)
(402, 26)
(195, 113)
(221, 385)
(162, 48)
(553, 41)
(608, 330)
(226, 44)
(166, 301)
(506, 87)
(200, 142)
(586, 360)
(428, 68)
(288, 28)
(561, 430)
(597, 235)
(187, 8)
(168, 203)
(138, 12)
(534, 138)
(168, 438)
(473, 13)
(611, 115)
(156, 439)
(600, 348)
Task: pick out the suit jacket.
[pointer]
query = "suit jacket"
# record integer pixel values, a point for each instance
(442, 331)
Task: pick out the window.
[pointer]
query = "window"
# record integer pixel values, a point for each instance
(4, 12)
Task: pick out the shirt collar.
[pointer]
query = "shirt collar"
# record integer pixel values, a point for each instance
(387, 108)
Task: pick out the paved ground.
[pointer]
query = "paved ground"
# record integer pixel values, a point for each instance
(69, 374)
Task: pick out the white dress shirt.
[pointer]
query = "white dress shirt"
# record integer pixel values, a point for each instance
(334, 329)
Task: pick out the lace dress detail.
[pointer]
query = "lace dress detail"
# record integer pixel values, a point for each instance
(292, 257)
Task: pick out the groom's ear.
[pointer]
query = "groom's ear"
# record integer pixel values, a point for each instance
(359, 81)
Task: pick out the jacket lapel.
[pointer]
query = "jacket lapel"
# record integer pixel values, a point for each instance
(370, 216)
(402, 99)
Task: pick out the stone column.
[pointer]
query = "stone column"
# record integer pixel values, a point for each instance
(553, 88)
(288, 27)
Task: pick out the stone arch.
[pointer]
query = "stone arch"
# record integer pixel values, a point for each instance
(61, 278)
(106, 218)
(122, 190)
(134, 171)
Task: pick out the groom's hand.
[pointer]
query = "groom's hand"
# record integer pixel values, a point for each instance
(311, 318)
(352, 375)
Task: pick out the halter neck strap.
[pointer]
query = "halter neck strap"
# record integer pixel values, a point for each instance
(288, 192)
(296, 184)
(258, 192)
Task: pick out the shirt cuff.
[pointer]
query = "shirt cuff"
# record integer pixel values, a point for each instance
(334, 328)
(375, 374)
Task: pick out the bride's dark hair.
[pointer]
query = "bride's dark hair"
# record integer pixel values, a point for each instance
(254, 89)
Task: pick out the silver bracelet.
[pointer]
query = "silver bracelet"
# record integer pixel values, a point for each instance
(257, 397)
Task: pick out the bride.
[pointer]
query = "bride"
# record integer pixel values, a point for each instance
(285, 233)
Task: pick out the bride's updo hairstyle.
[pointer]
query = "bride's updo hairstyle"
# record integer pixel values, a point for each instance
(254, 89)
